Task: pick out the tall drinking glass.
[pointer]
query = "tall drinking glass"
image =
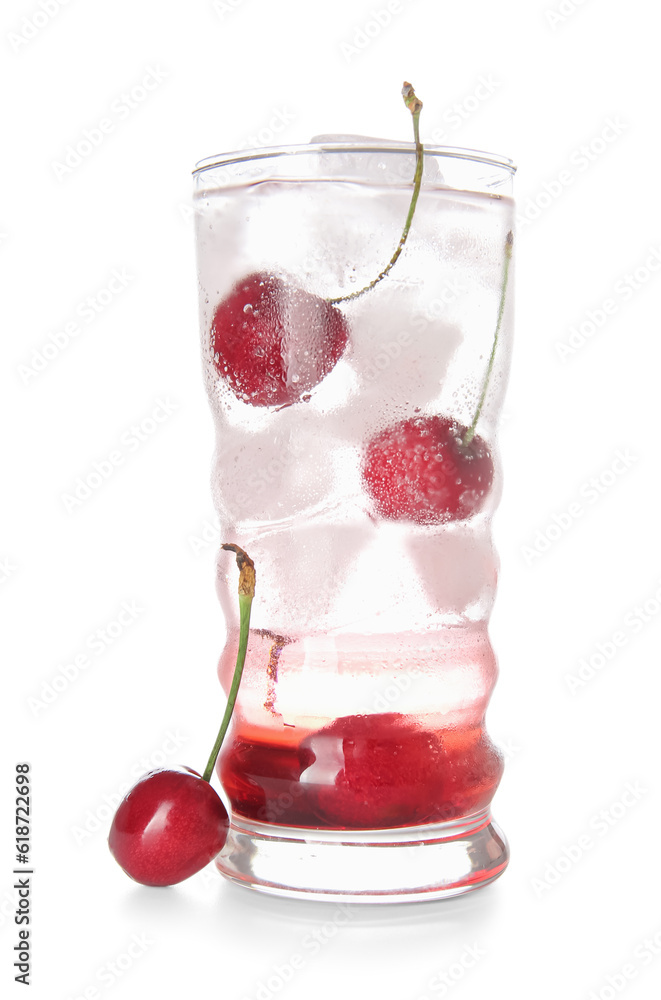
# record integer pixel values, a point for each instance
(356, 462)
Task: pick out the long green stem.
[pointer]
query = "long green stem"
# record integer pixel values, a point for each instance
(468, 436)
(414, 104)
(246, 594)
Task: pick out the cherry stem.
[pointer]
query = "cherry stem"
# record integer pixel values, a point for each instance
(246, 594)
(414, 104)
(468, 436)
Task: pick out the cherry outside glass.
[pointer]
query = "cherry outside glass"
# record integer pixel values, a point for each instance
(356, 462)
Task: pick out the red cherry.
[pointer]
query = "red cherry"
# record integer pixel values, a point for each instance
(420, 470)
(170, 825)
(273, 342)
(372, 771)
(375, 771)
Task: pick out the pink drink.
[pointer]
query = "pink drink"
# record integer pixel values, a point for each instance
(293, 759)
(356, 463)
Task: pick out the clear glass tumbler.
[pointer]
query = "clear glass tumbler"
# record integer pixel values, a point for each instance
(356, 462)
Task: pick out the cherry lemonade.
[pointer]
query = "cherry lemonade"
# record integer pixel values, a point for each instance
(356, 461)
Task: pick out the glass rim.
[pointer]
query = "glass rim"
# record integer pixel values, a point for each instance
(356, 146)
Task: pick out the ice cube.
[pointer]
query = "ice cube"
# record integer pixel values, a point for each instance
(306, 564)
(381, 161)
(458, 568)
(270, 476)
(400, 358)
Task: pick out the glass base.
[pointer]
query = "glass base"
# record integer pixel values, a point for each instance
(433, 861)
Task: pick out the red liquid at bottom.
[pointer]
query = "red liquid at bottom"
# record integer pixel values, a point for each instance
(360, 772)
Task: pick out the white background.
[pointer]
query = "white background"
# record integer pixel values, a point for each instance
(562, 920)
